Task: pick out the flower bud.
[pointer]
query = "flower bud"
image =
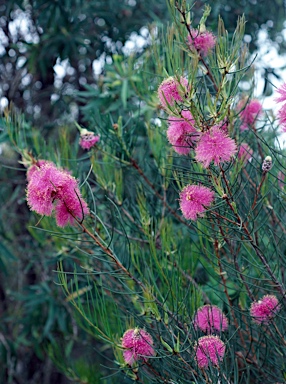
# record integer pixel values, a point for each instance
(267, 164)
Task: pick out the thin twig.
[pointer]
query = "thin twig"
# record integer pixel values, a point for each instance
(170, 209)
(187, 25)
(195, 284)
(109, 252)
(258, 189)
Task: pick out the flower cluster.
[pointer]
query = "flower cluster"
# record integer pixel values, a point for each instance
(194, 199)
(282, 110)
(212, 145)
(209, 319)
(249, 112)
(202, 41)
(263, 310)
(138, 344)
(50, 188)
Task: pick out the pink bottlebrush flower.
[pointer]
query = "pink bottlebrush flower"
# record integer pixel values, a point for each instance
(245, 152)
(172, 90)
(282, 110)
(41, 189)
(263, 310)
(35, 167)
(48, 185)
(210, 318)
(249, 112)
(282, 93)
(181, 132)
(88, 139)
(209, 350)
(215, 145)
(70, 206)
(138, 344)
(282, 117)
(202, 42)
(194, 199)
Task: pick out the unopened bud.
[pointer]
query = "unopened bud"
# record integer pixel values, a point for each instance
(267, 164)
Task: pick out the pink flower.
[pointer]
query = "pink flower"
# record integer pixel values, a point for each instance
(48, 185)
(210, 318)
(194, 199)
(182, 133)
(215, 145)
(171, 90)
(282, 93)
(245, 152)
(249, 113)
(138, 344)
(41, 189)
(209, 350)
(70, 206)
(35, 167)
(203, 42)
(88, 139)
(282, 117)
(282, 110)
(265, 309)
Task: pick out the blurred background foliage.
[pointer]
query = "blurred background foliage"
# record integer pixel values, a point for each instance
(62, 61)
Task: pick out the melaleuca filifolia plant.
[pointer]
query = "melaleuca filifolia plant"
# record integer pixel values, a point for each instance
(178, 241)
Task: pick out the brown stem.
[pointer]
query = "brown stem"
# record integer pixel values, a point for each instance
(225, 180)
(225, 218)
(258, 190)
(209, 74)
(248, 178)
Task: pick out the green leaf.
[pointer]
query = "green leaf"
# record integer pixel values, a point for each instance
(4, 251)
(124, 93)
